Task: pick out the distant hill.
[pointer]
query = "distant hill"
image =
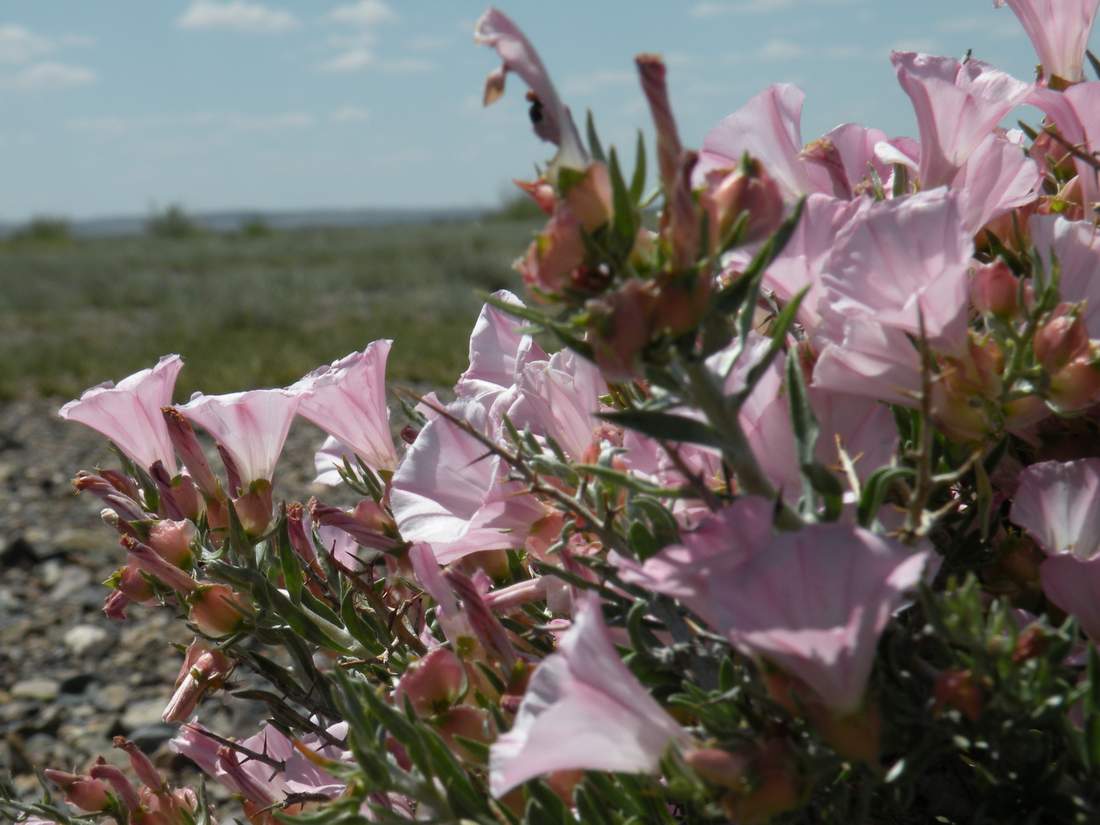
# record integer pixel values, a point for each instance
(233, 220)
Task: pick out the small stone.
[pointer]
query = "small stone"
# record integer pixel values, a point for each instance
(87, 640)
(71, 580)
(77, 683)
(111, 697)
(38, 690)
(151, 737)
(19, 552)
(143, 713)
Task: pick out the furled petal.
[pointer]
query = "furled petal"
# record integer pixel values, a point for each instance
(855, 145)
(767, 128)
(498, 350)
(814, 604)
(1059, 31)
(583, 709)
(250, 426)
(329, 459)
(998, 177)
(1058, 503)
(864, 358)
(554, 122)
(957, 105)
(128, 413)
(348, 401)
(1073, 584)
(1076, 246)
(901, 259)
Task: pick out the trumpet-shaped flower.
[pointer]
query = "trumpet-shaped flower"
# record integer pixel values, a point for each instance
(1059, 31)
(997, 178)
(957, 105)
(128, 413)
(583, 710)
(903, 262)
(251, 427)
(1073, 584)
(1058, 503)
(1075, 245)
(348, 401)
(498, 351)
(1076, 113)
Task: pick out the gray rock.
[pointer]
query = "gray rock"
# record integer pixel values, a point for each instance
(151, 737)
(88, 640)
(71, 580)
(142, 714)
(111, 697)
(38, 690)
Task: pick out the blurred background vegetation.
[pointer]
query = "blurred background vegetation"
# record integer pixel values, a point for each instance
(252, 307)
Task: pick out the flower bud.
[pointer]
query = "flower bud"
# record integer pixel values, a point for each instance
(718, 767)
(855, 736)
(682, 302)
(217, 610)
(958, 689)
(589, 197)
(433, 683)
(142, 765)
(995, 290)
(469, 723)
(1076, 386)
(172, 541)
(1030, 644)
(88, 794)
(777, 787)
(541, 192)
(747, 189)
(120, 784)
(621, 326)
(554, 254)
(190, 452)
(203, 670)
(824, 153)
(254, 508)
(1060, 340)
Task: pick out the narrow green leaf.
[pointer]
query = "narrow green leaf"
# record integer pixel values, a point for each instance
(625, 223)
(665, 426)
(637, 181)
(595, 148)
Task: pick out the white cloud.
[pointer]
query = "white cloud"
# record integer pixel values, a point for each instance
(600, 79)
(779, 49)
(352, 60)
(407, 65)
(278, 122)
(350, 114)
(49, 76)
(236, 15)
(363, 13)
(20, 45)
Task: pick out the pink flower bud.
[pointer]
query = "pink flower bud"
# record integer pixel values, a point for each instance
(203, 670)
(372, 514)
(88, 794)
(149, 561)
(190, 452)
(590, 197)
(172, 541)
(621, 325)
(824, 153)
(469, 723)
(254, 508)
(143, 766)
(995, 290)
(1060, 340)
(747, 189)
(541, 192)
(433, 683)
(365, 533)
(1076, 386)
(120, 784)
(651, 73)
(554, 254)
(718, 767)
(217, 610)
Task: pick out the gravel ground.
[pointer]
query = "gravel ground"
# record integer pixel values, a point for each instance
(70, 679)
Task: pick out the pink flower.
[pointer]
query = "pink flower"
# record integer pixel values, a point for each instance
(901, 259)
(1058, 503)
(1059, 31)
(347, 400)
(251, 427)
(861, 357)
(128, 413)
(998, 177)
(1073, 584)
(583, 710)
(1076, 113)
(498, 350)
(551, 117)
(957, 105)
(1076, 247)
(767, 128)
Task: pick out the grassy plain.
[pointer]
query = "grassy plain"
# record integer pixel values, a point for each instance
(246, 311)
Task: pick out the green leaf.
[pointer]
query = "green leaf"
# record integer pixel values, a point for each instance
(625, 223)
(637, 181)
(875, 490)
(595, 148)
(665, 426)
(288, 561)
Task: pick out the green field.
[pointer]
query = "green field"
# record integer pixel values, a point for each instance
(246, 311)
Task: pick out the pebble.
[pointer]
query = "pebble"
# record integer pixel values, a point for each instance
(38, 690)
(88, 640)
(143, 713)
(111, 697)
(151, 737)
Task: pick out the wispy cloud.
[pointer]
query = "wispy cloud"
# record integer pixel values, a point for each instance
(720, 8)
(350, 114)
(407, 65)
(428, 43)
(20, 45)
(587, 84)
(781, 50)
(118, 125)
(48, 76)
(363, 13)
(349, 60)
(236, 15)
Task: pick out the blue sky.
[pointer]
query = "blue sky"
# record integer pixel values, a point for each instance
(113, 107)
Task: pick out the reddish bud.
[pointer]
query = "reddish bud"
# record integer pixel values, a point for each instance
(1060, 340)
(823, 152)
(995, 290)
(747, 189)
(541, 192)
(554, 254)
(1076, 386)
(433, 683)
(651, 73)
(254, 508)
(469, 723)
(189, 450)
(682, 301)
(718, 767)
(1030, 644)
(143, 766)
(217, 610)
(958, 689)
(88, 794)
(172, 541)
(203, 670)
(120, 784)
(854, 736)
(777, 787)
(589, 197)
(146, 559)
(621, 326)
